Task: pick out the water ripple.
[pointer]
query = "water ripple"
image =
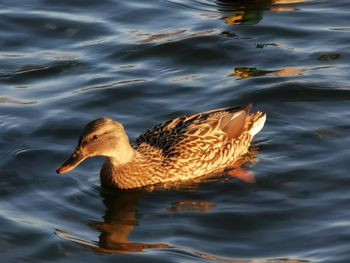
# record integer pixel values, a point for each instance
(65, 63)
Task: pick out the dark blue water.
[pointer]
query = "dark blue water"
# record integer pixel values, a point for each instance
(65, 63)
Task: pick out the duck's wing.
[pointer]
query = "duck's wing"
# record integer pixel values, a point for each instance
(195, 134)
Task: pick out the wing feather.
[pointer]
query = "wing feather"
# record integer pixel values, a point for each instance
(195, 134)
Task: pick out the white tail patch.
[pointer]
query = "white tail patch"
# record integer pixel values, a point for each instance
(258, 124)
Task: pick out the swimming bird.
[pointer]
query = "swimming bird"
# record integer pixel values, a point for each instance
(180, 149)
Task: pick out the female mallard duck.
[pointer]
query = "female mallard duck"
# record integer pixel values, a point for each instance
(180, 149)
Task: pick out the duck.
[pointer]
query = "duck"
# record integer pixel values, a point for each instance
(177, 150)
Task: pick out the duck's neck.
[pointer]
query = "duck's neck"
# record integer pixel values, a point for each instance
(116, 169)
(122, 157)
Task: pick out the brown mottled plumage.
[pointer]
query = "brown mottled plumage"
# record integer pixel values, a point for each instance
(180, 149)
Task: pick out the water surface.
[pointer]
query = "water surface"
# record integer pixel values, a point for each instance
(63, 64)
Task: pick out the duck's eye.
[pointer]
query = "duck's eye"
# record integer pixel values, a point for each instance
(95, 137)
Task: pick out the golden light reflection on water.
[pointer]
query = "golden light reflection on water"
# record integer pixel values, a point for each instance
(246, 72)
(244, 17)
(238, 18)
(244, 12)
(285, 8)
(289, 72)
(191, 206)
(287, 2)
(251, 12)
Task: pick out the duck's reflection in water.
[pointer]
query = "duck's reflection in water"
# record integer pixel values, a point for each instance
(119, 222)
(121, 208)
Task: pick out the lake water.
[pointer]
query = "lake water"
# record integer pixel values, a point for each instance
(65, 63)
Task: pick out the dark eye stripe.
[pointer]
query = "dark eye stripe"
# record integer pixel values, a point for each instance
(84, 143)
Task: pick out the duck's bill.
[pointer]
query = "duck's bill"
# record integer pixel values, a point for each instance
(77, 158)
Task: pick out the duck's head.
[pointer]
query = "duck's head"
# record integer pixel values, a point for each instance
(101, 137)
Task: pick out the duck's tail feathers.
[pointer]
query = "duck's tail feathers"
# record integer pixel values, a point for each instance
(257, 121)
